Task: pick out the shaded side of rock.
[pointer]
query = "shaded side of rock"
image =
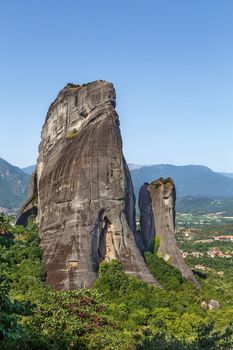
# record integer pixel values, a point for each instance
(130, 200)
(147, 225)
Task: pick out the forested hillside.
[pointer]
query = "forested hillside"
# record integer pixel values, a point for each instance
(119, 312)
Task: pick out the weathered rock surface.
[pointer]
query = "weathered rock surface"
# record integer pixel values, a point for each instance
(85, 194)
(159, 198)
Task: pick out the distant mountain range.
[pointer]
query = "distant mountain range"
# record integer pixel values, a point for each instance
(198, 188)
(29, 169)
(13, 185)
(196, 185)
(227, 174)
(190, 180)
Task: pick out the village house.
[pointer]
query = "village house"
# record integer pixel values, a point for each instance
(204, 240)
(200, 267)
(216, 252)
(223, 238)
(196, 254)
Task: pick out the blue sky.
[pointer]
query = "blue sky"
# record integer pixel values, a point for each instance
(171, 62)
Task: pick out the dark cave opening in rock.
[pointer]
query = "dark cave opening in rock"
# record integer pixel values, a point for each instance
(104, 223)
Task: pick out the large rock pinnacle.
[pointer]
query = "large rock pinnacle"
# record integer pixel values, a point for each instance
(157, 204)
(85, 194)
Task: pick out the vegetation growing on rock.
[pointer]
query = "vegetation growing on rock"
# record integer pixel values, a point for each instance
(71, 134)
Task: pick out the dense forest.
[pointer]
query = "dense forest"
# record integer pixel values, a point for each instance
(119, 312)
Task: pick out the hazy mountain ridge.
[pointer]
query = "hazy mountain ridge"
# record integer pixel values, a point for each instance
(13, 185)
(190, 180)
(196, 185)
(201, 205)
(29, 169)
(227, 174)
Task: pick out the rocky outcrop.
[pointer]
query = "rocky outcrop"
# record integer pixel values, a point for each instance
(30, 207)
(210, 305)
(159, 198)
(85, 194)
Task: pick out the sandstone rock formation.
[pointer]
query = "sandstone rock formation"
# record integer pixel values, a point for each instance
(85, 194)
(157, 204)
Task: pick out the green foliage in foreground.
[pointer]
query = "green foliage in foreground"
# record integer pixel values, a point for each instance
(167, 275)
(120, 312)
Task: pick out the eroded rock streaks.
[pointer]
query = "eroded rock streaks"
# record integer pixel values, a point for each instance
(85, 194)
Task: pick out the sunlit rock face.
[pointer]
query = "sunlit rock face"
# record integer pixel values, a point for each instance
(85, 194)
(157, 204)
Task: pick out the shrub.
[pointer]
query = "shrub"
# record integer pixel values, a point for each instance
(71, 134)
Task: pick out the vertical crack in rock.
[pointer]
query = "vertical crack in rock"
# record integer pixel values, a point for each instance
(157, 205)
(85, 193)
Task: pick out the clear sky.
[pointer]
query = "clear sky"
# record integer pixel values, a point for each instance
(171, 62)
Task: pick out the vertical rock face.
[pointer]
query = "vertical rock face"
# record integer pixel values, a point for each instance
(159, 198)
(85, 194)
